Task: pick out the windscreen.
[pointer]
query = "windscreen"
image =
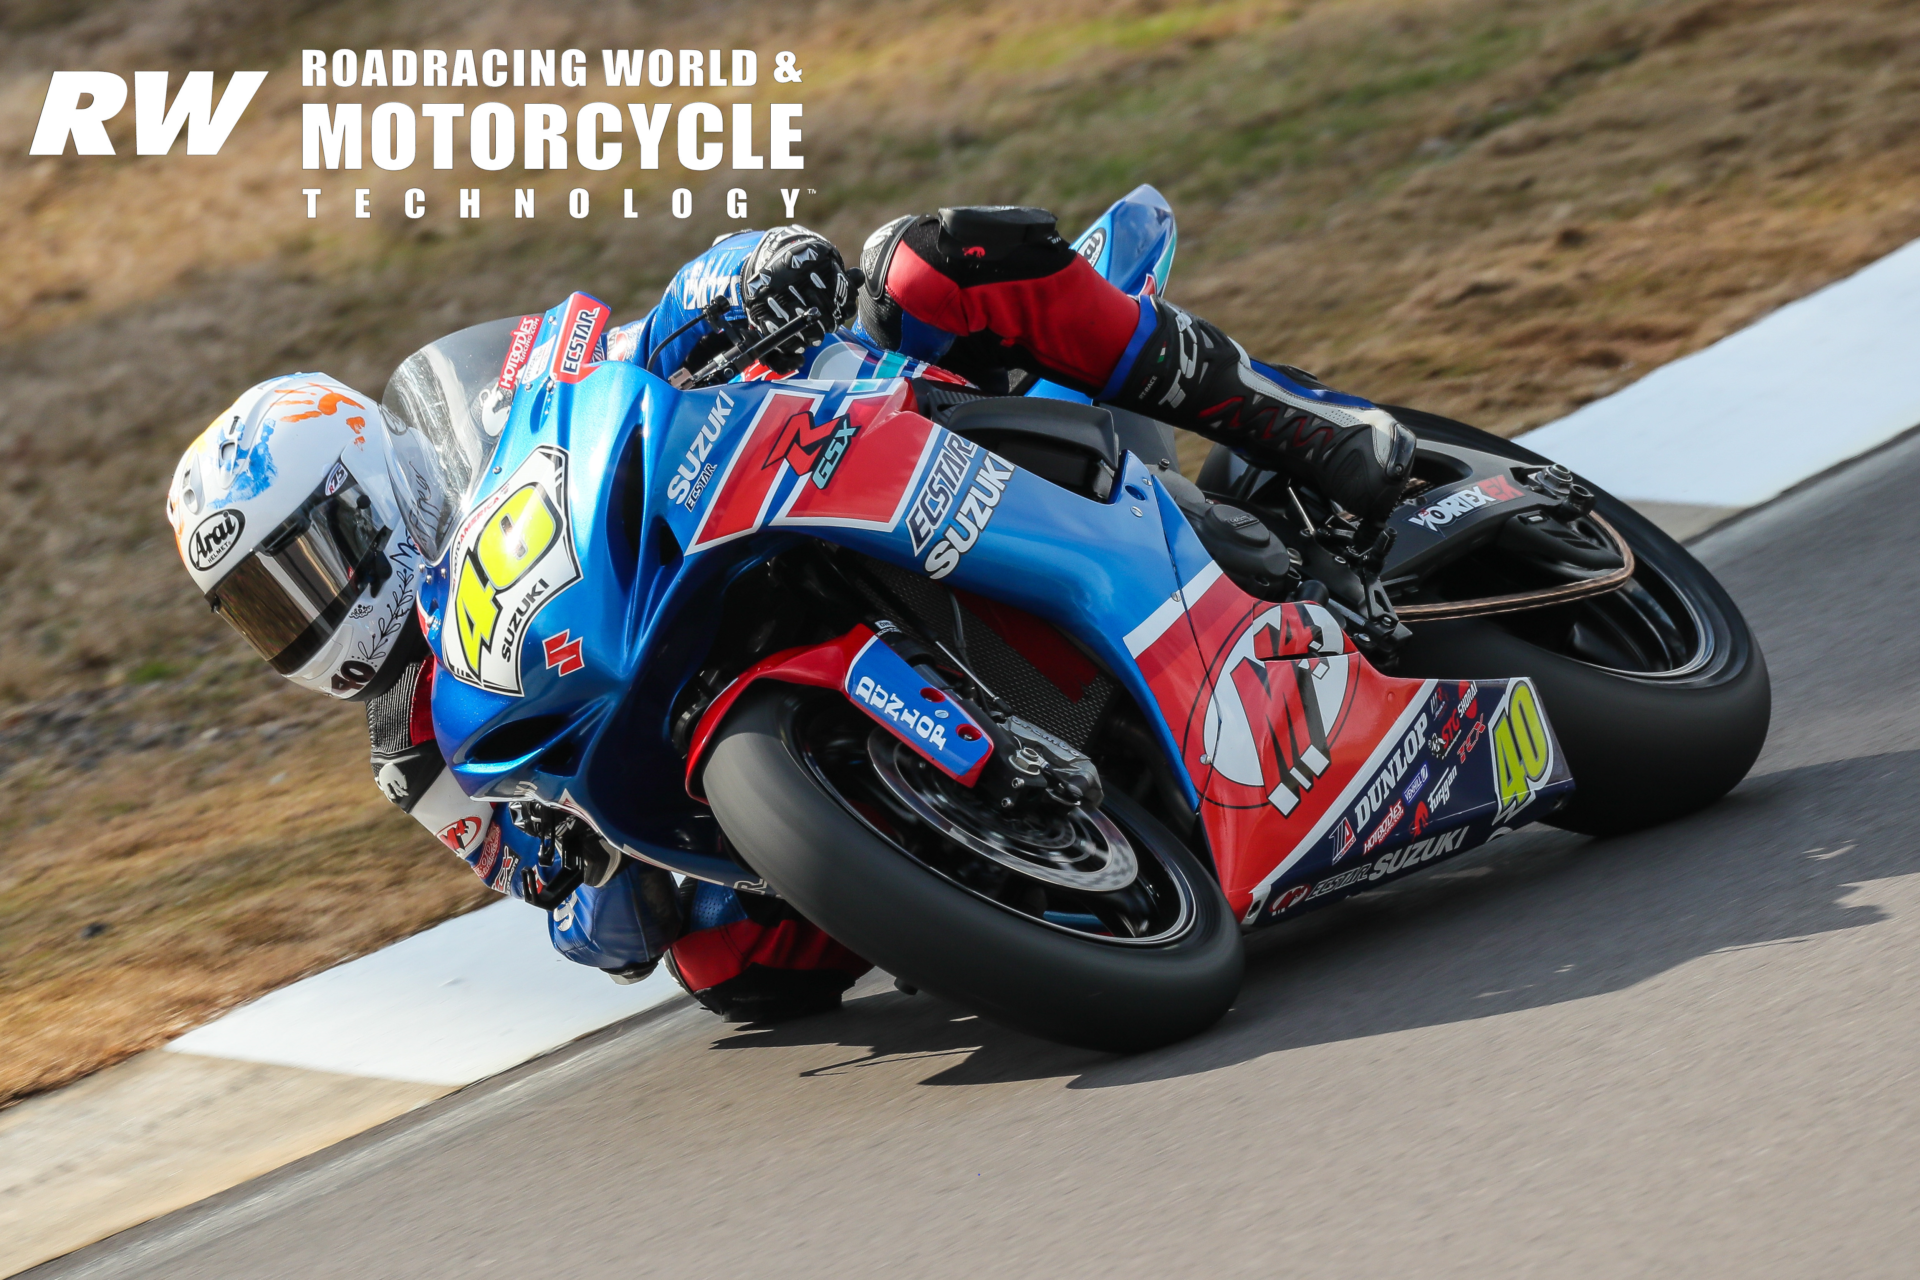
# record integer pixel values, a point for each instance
(446, 409)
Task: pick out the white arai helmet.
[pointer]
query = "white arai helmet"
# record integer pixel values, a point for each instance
(301, 512)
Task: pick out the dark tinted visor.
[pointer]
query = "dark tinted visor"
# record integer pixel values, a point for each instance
(288, 595)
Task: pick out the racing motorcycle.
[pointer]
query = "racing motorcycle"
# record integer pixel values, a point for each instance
(983, 686)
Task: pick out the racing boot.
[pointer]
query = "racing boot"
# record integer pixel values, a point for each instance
(1190, 374)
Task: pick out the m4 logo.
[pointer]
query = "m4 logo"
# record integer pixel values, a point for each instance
(1272, 714)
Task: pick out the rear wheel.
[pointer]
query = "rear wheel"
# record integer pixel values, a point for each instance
(1095, 928)
(1657, 691)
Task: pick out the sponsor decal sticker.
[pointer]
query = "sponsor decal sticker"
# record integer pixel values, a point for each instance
(519, 351)
(1291, 898)
(510, 558)
(1095, 242)
(970, 517)
(874, 453)
(1333, 884)
(1398, 860)
(487, 859)
(563, 654)
(1418, 852)
(781, 438)
(1522, 749)
(457, 835)
(1395, 768)
(843, 433)
(897, 710)
(1271, 709)
(1385, 829)
(1443, 789)
(694, 469)
(882, 684)
(213, 538)
(1411, 791)
(929, 508)
(1343, 841)
(1490, 492)
(581, 339)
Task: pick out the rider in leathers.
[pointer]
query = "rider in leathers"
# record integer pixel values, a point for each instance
(995, 295)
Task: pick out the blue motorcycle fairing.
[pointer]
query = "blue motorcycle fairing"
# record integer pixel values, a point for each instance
(600, 658)
(959, 514)
(1132, 243)
(584, 589)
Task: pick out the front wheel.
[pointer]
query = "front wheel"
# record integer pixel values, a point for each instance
(1095, 928)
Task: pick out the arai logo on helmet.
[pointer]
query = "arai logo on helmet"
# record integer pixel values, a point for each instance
(209, 543)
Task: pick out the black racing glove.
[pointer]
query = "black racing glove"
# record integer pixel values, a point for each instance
(790, 270)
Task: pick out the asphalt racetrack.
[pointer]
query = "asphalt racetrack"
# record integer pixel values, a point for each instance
(1690, 1052)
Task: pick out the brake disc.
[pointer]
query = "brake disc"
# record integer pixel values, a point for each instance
(1077, 848)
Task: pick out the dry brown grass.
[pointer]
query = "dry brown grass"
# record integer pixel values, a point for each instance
(1494, 208)
(143, 899)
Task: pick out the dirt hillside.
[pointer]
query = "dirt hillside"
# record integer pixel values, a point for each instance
(1498, 209)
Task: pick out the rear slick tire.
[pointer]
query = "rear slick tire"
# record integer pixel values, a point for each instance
(1644, 746)
(836, 869)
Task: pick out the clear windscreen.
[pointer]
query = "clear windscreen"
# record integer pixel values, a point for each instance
(445, 410)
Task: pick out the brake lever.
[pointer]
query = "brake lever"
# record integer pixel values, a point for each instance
(734, 359)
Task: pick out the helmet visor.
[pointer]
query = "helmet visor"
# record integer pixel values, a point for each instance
(288, 595)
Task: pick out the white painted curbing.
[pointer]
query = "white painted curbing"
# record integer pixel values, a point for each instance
(462, 1001)
(1817, 382)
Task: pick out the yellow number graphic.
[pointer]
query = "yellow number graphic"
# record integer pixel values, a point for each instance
(1529, 733)
(475, 610)
(519, 534)
(1520, 748)
(512, 542)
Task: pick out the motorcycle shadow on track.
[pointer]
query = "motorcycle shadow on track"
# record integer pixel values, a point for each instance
(1538, 919)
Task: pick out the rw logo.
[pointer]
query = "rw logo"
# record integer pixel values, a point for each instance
(156, 125)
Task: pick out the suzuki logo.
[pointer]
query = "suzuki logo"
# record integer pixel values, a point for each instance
(564, 654)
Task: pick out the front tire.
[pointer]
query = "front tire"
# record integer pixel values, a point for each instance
(786, 782)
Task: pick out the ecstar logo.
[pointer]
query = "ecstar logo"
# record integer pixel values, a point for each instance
(579, 336)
